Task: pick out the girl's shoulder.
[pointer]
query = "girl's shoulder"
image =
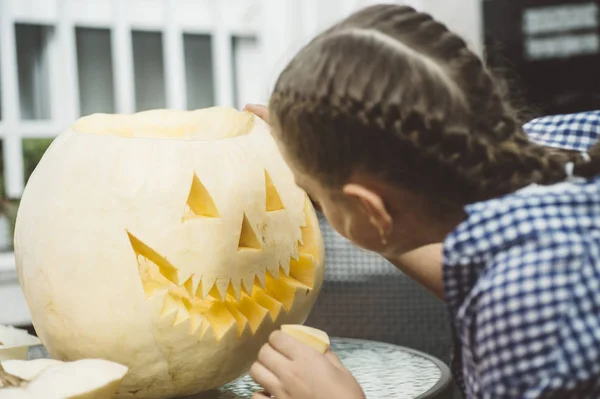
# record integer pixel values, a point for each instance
(578, 131)
(565, 212)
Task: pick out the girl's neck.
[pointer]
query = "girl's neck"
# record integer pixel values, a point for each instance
(423, 226)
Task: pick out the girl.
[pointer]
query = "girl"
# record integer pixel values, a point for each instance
(403, 138)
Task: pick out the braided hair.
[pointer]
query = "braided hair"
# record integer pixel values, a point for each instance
(392, 92)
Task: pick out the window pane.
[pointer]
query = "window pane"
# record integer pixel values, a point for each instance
(199, 71)
(1, 105)
(32, 62)
(94, 59)
(149, 72)
(247, 71)
(2, 189)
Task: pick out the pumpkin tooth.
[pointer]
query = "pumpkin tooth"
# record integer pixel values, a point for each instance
(182, 277)
(152, 287)
(253, 312)
(220, 318)
(273, 272)
(189, 285)
(270, 276)
(206, 285)
(307, 205)
(170, 305)
(196, 285)
(283, 273)
(158, 301)
(296, 254)
(196, 308)
(268, 302)
(260, 280)
(222, 285)
(196, 321)
(285, 266)
(247, 284)
(234, 289)
(303, 269)
(204, 327)
(182, 314)
(239, 317)
(215, 293)
(284, 269)
(284, 289)
(309, 242)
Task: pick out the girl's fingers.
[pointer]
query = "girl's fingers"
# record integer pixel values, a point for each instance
(260, 395)
(260, 110)
(334, 359)
(288, 346)
(266, 379)
(272, 359)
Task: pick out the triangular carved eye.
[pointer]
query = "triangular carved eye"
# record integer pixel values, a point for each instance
(273, 199)
(199, 202)
(248, 238)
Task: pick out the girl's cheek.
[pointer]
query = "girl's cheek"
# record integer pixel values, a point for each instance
(348, 225)
(335, 221)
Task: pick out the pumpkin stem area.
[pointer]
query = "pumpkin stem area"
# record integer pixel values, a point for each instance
(213, 123)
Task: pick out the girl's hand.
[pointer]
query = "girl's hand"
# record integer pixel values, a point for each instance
(260, 110)
(288, 369)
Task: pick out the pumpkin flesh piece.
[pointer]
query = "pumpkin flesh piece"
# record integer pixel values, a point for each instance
(315, 338)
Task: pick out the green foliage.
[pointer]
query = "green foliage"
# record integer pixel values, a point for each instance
(33, 150)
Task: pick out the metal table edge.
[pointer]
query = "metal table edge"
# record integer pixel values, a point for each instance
(439, 387)
(446, 376)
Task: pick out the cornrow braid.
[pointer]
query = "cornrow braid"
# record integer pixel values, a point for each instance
(417, 102)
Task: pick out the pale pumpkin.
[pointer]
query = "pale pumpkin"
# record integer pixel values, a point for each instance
(173, 242)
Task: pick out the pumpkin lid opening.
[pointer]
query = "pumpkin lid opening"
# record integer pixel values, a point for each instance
(213, 123)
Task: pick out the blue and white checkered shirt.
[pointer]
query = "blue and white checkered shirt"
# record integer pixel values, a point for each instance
(522, 282)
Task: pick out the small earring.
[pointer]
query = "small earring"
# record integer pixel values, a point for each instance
(383, 236)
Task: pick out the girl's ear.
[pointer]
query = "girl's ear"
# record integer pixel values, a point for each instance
(372, 204)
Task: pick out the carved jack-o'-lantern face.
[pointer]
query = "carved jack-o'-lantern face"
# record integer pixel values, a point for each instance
(172, 242)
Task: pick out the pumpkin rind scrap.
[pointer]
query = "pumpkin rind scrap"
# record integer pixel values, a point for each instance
(53, 379)
(313, 337)
(172, 242)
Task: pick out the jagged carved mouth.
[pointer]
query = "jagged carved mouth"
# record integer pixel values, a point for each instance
(209, 307)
